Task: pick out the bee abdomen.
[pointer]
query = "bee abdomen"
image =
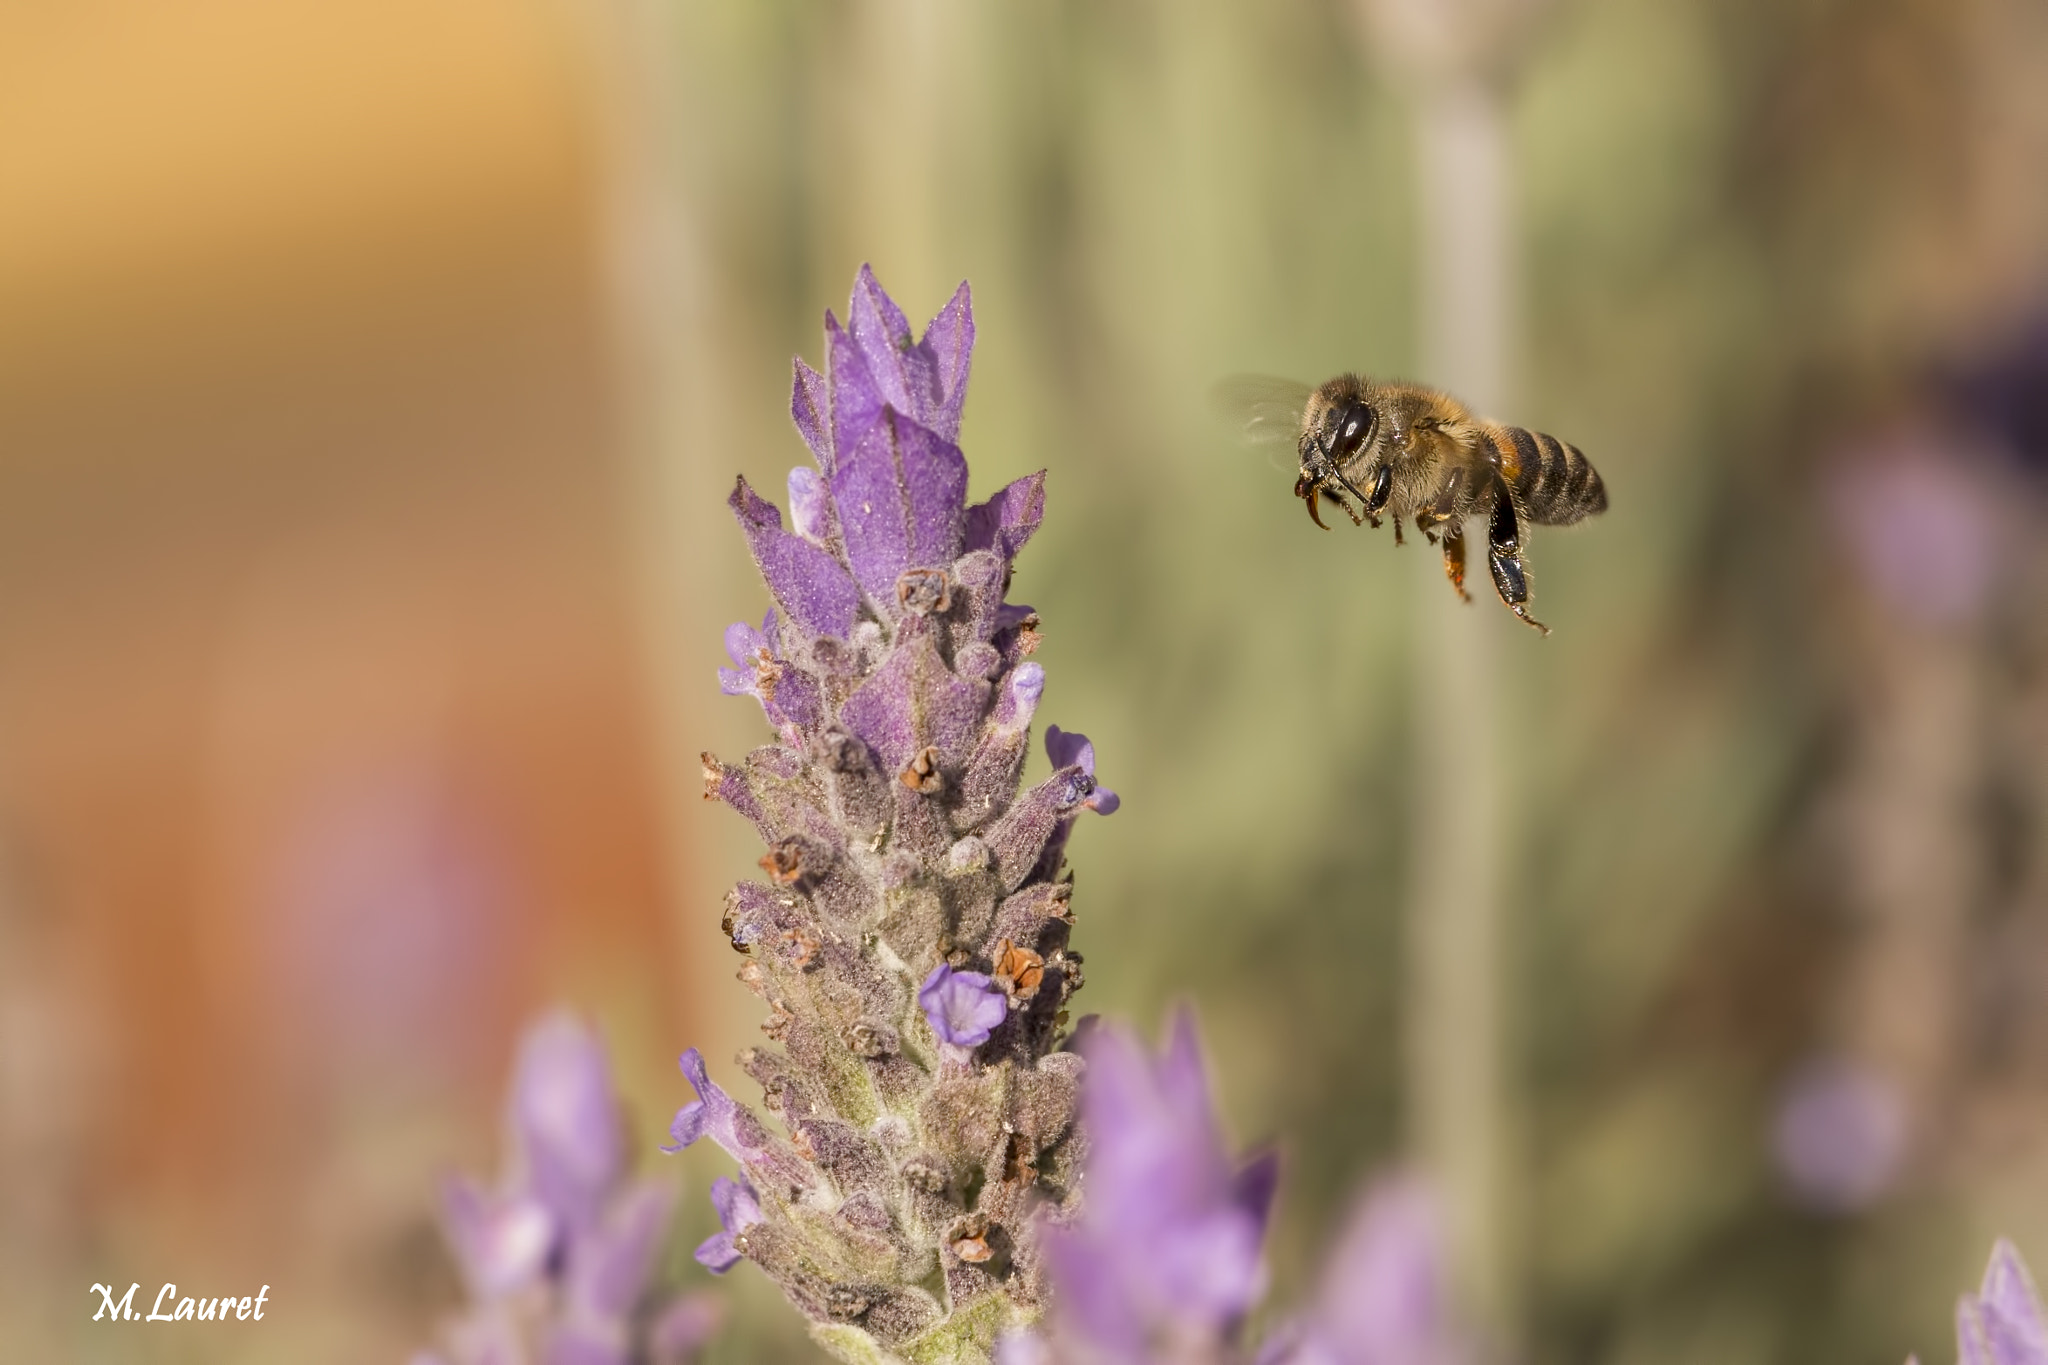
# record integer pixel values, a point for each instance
(1555, 481)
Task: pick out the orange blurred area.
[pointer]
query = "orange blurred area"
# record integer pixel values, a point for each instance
(324, 752)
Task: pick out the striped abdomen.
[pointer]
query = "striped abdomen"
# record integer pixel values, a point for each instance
(1556, 483)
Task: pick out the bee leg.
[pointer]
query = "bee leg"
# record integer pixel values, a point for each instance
(1505, 556)
(1397, 530)
(1511, 581)
(1454, 563)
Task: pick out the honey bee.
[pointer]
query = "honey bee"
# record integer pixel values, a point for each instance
(1402, 450)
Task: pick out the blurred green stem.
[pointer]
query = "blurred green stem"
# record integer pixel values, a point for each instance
(1455, 1096)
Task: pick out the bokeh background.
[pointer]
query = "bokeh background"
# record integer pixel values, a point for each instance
(371, 375)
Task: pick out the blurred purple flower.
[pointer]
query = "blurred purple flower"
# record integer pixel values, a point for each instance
(1382, 1300)
(1919, 525)
(2002, 1324)
(502, 1242)
(684, 1328)
(560, 1259)
(565, 1118)
(1840, 1135)
(1169, 1255)
(962, 1007)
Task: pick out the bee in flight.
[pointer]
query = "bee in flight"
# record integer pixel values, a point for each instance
(1401, 450)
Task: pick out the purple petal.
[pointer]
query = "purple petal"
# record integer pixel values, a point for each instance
(1971, 1346)
(1382, 1296)
(1013, 614)
(565, 1115)
(1184, 1076)
(501, 1243)
(587, 1344)
(2009, 1312)
(1019, 701)
(743, 644)
(1021, 1346)
(809, 406)
(2009, 1289)
(488, 1338)
(735, 683)
(809, 504)
(1007, 520)
(1256, 1184)
(1212, 1267)
(963, 1007)
(610, 1265)
(1183, 1229)
(1095, 1299)
(1069, 749)
(899, 493)
(717, 1254)
(737, 1204)
(949, 341)
(810, 586)
(684, 1328)
(714, 1114)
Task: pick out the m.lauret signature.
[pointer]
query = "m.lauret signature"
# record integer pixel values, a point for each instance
(185, 1310)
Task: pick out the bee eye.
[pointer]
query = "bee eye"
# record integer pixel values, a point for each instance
(1353, 427)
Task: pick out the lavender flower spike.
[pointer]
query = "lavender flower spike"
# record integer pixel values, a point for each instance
(908, 936)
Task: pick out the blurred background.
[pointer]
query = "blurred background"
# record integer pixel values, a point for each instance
(371, 376)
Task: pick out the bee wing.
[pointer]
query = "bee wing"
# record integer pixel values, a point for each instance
(1262, 412)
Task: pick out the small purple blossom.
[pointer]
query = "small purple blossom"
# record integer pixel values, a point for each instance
(750, 650)
(713, 1114)
(1917, 515)
(502, 1242)
(962, 1007)
(1071, 749)
(738, 1209)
